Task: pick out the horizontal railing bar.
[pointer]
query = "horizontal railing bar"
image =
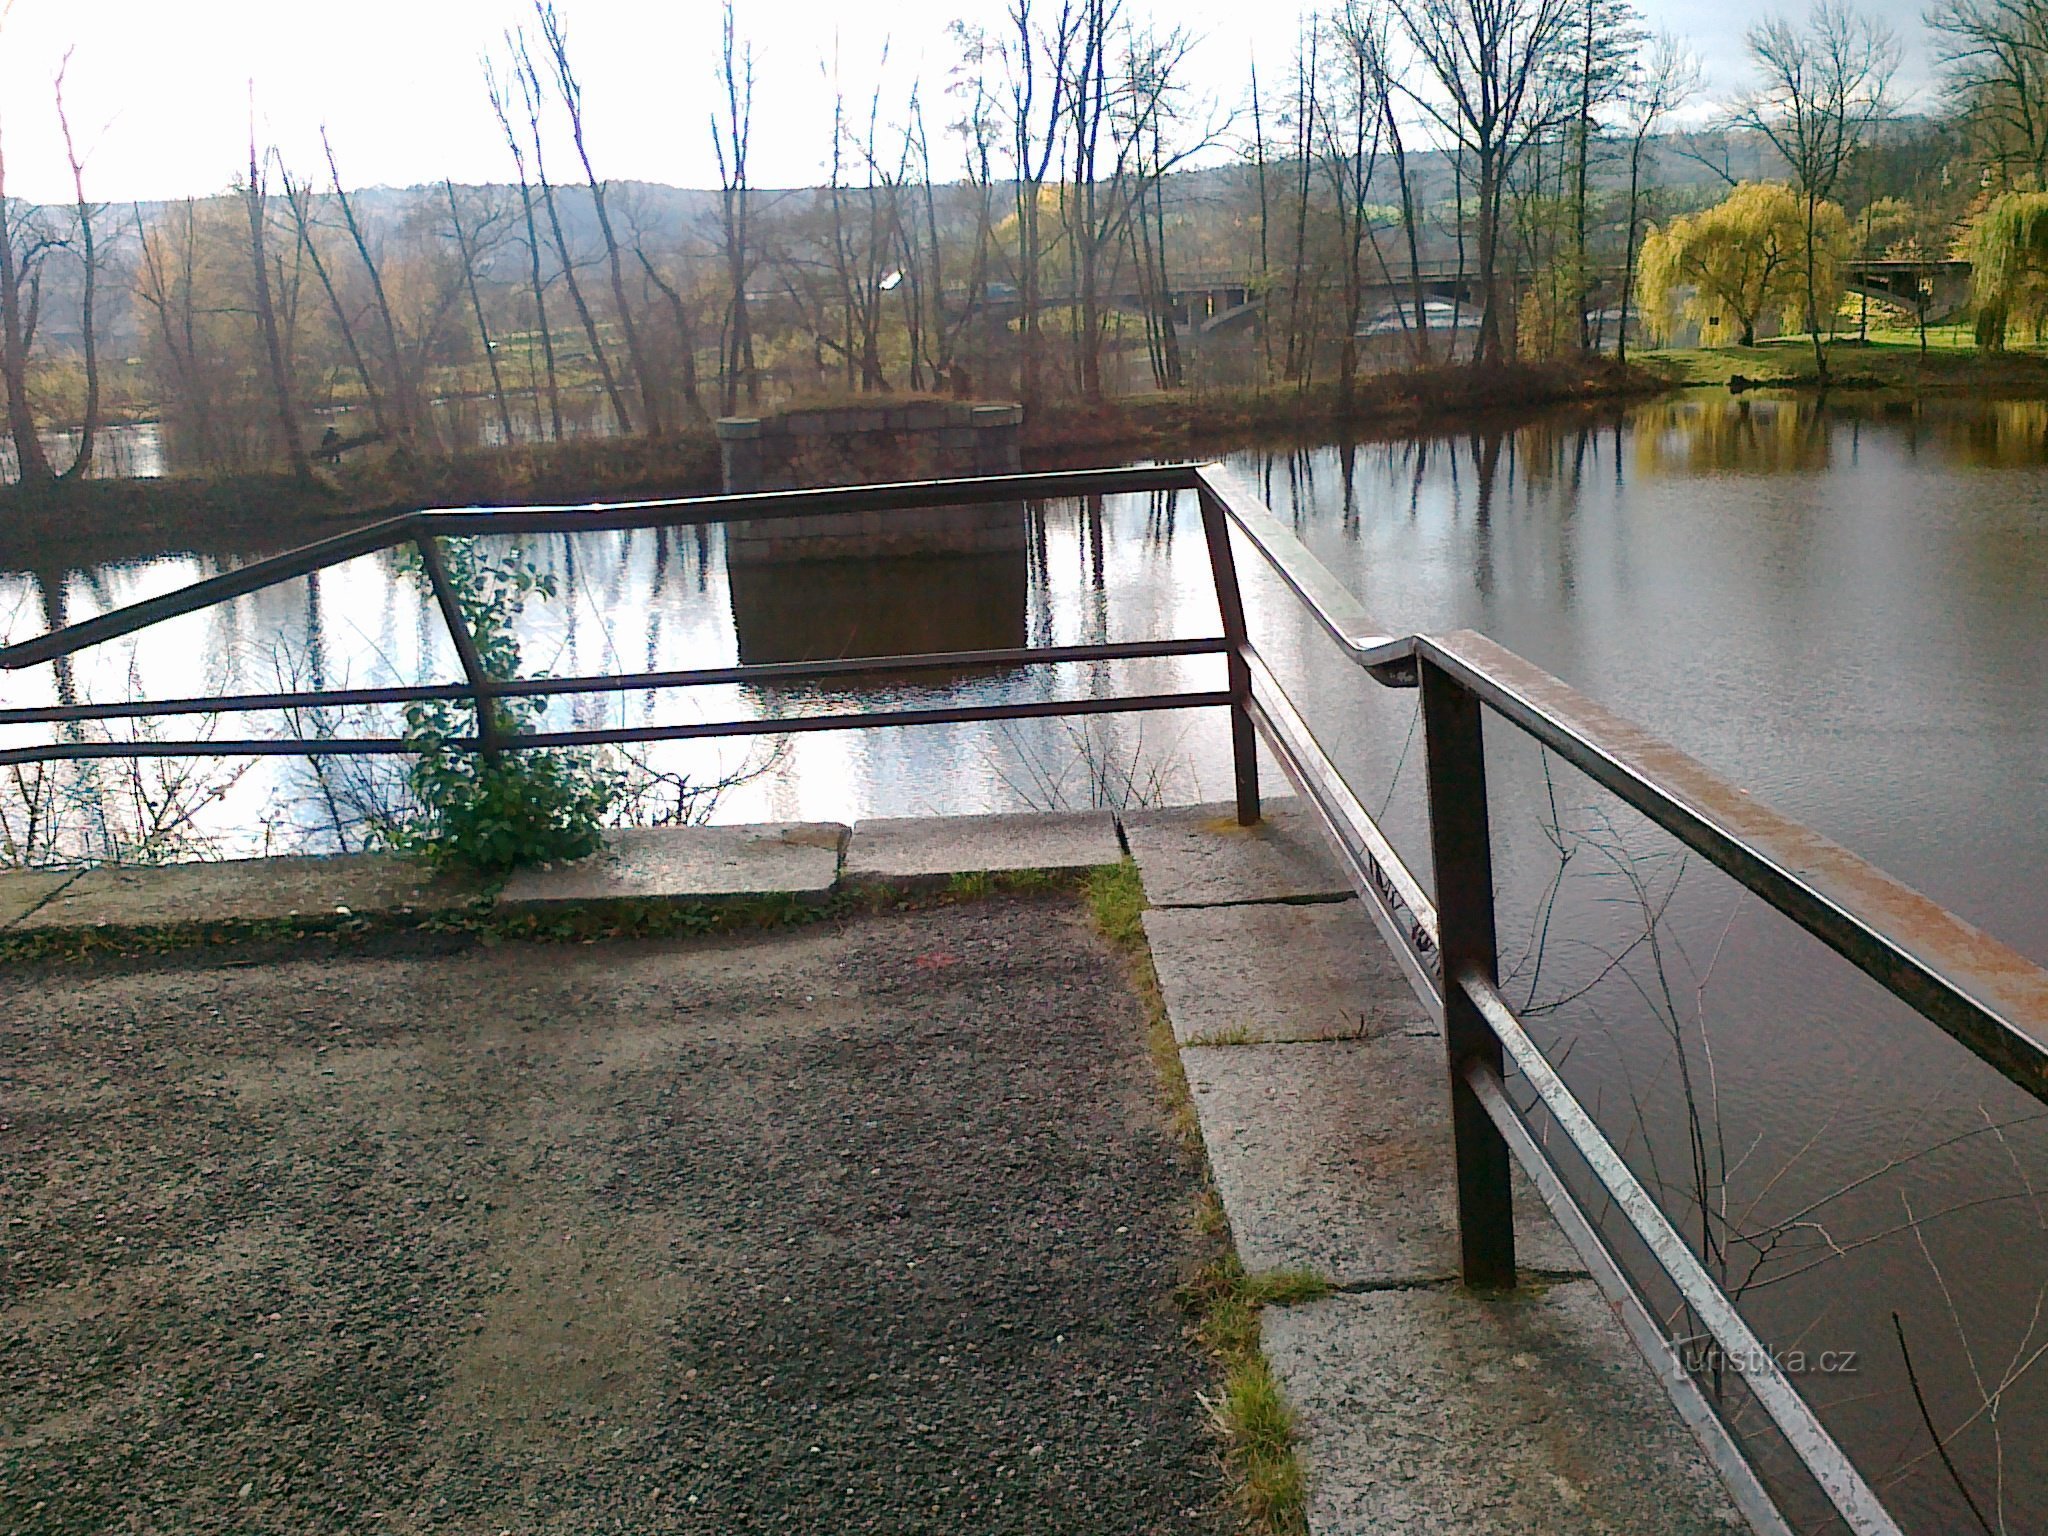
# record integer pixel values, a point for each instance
(1723, 1454)
(587, 518)
(204, 594)
(1986, 995)
(798, 671)
(965, 714)
(344, 746)
(1844, 1486)
(236, 704)
(1327, 599)
(259, 746)
(779, 671)
(756, 506)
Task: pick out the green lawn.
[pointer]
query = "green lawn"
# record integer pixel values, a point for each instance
(1890, 359)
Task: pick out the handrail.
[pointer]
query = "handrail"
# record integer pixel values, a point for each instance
(1982, 993)
(591, 517)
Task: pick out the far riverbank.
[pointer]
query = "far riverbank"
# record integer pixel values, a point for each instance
(100, 522)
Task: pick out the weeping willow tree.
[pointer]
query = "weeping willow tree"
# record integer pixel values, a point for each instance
(1726, 267)
(2008, 251)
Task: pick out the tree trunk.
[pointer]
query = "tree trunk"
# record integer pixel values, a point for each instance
(406, 394)
(476, 308)
(33, 463)
(266, 316)
(296, 199)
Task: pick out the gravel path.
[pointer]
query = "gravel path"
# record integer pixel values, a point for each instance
(866, 1227)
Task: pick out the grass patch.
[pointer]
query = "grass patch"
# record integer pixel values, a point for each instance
(1248, 1411)
(1889, 360)
(1237, 1034)
(1116, 900)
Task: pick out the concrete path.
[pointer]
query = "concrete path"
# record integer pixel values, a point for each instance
(1319, 1083)
(861, 1226)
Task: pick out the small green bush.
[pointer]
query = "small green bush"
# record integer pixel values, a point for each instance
(496, 813)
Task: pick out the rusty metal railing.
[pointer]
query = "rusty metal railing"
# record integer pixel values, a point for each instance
(1988, 998)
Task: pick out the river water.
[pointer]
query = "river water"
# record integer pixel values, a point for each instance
(1845, 610)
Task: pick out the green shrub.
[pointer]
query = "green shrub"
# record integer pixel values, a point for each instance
(498, 812)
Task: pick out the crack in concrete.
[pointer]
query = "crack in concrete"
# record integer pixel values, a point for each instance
(1322, 899)
(1444, 1281)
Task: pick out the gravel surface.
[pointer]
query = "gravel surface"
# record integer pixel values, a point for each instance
(864, 1227)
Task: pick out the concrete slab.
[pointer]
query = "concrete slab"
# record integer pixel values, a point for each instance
(1335, 1156)
(910, 849)
(787, 858)
(23, 890)
(1277, 972)
(247, 891)
(1427, 1411)
(1198, 856)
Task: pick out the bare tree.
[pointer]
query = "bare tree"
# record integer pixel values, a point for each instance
(686, 332)
(1609, 41)
(1821, 89)
(571, 91)
(1036, 66)
(1351, 152)
(1995, 54)
(1488, 63)
(1300, 352)
(404, 389)
(299, 198)
(168, 288)
(533, 93)
(730, 141)
(467, 248)
(255, 200)
(23, 244)
(1662, 81)
(501, 107)
(1385, 87)
(89, 260)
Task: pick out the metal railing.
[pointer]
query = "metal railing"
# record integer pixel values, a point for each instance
(1990, 999)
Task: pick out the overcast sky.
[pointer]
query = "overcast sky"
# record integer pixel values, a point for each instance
(159, 92)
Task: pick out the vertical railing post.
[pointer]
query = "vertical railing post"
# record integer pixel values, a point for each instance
(1462, 852)
(1244, 741)
(489, 740)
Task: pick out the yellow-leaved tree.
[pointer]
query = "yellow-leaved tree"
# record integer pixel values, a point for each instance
(2008, 250)
(1726, 267)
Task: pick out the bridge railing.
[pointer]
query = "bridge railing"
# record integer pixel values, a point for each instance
(1990, 1000)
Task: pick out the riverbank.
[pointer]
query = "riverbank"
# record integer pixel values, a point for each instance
(1415, 399)
(1889, 361)
(104, 521)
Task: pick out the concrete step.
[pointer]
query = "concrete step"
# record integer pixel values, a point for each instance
(1271, 972)
(789, 858)
(241, 891)
(1529, 1414)
(910, 850)
(1335, 1157)
(1198, 856)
